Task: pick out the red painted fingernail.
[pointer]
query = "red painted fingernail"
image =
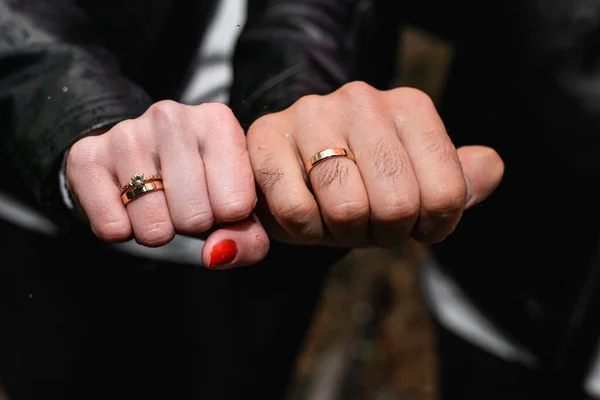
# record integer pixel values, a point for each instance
(222, 253)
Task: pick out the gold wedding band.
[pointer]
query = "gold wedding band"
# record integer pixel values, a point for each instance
(325, 154)
(139, 180)
(138, 191)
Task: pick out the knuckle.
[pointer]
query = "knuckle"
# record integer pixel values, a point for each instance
(167, 110)
(295, 212)
(447, 201)
(308, 104)
(112, 231)
(156, 229)
(398, 211)
(347, 212)
(219, 120)
(156, 234)
(194, 221)
(414, 98)
(260, 125)
(357, 90)
(262, 129)
(218, 109)
(127, 135)
(219, 113)
(125, 127)
(237, 208)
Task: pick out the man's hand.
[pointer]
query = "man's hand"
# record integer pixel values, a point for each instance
(407, 180)
(201, 153)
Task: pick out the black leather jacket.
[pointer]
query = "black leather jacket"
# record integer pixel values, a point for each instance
(519, 82)
(70, 66)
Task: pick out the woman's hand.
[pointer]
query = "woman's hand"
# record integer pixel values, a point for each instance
(207, 182)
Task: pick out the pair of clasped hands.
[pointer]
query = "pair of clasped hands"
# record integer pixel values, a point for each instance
(403, 177)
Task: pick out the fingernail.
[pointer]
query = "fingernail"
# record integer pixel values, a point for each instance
(222, 253)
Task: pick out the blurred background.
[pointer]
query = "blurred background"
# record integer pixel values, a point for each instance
(371, 337)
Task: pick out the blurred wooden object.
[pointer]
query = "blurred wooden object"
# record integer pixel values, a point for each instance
(371, 336)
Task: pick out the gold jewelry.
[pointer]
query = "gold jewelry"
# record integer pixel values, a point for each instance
(139, 180)
(138, 191)
(325, 154)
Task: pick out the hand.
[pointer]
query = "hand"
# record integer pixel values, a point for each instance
(408, 179)
(208, 182)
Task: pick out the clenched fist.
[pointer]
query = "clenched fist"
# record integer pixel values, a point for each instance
(206, 182)
(362, 167)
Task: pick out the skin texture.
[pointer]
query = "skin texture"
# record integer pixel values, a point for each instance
(407, 181)
(208, 180)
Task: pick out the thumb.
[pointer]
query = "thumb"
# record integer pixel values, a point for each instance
(235, 245)
(483, 169)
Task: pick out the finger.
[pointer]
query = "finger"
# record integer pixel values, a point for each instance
(442, 184)
(96, 191)
(336, 182)
(149, 214)
(229, 175)
(385, 167)
(279, 174)
(235, 245)
(484, 170)
(182, 167)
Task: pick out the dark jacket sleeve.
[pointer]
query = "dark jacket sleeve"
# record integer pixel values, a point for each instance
(56, 85)
(292, 48)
